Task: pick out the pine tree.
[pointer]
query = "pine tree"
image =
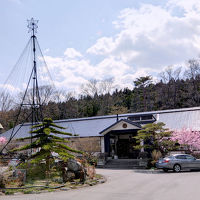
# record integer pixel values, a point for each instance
(155, 137)
(46, 141)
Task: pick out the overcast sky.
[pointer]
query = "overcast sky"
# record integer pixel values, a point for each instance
(101, 39)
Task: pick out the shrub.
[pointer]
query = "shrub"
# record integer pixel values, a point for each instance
(2, 181)
(90, 158)
(29, 191)
(9, 192)
(156, 155)
(34, 171)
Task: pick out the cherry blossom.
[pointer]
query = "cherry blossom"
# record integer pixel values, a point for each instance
(187, 137)
(3, 140)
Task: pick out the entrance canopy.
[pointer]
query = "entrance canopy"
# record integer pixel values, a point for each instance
(122, 125)
(119, 139)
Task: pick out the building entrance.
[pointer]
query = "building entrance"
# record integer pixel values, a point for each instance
(119, 139)
(122, 146)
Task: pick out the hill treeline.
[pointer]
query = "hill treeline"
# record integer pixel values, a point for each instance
(175, 88)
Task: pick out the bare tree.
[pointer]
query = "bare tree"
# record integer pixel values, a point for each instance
(90, 88)
(96, 87)
(193, 74)
(106, 86)
(193, 70)
(171, 78)
(6, 101)
(62, 96)
(46, 94)
(170, 74)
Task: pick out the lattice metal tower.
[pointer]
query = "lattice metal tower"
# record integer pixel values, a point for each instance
(35, 103)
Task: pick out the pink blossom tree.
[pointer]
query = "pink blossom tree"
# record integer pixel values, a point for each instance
(3, 140)
(188, 138)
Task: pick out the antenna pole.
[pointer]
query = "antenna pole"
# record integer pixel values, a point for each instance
(32, 25)
(35, 102)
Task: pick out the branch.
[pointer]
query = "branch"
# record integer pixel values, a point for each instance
(63, 146)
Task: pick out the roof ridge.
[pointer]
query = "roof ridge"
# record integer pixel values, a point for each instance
(128, 114)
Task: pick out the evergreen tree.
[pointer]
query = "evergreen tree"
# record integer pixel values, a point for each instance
(155, 137)
(49, 145)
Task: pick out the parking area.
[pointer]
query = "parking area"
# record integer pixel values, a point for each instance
(131, 185)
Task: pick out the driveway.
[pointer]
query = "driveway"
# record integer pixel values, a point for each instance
(130, 185)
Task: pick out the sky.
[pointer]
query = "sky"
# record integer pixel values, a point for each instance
(101, 39)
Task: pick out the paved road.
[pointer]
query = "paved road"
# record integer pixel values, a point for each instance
(130, 185)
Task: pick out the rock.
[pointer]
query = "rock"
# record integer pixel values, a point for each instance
(1, 193)
(73, 170)
(70, 175)
(64, 189)
(91, 172)
(81, 175)
(74, 165)
(102, 181)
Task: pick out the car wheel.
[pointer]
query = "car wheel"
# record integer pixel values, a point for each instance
(177, 168)
(165, 170)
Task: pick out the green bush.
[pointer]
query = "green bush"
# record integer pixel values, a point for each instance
(34, 171)
(37, 171)
(28, 191)
(9, 192)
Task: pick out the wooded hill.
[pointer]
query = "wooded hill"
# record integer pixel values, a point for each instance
(176, 88)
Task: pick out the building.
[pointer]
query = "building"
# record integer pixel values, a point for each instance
(113, 134)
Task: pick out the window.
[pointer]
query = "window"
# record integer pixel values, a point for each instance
(147, 117)
(188, 157)
(141, 117)
(181, 157)
(134, 118)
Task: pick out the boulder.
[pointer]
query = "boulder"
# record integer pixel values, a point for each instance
(69, 176)
(73, 170)
(73, 165)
